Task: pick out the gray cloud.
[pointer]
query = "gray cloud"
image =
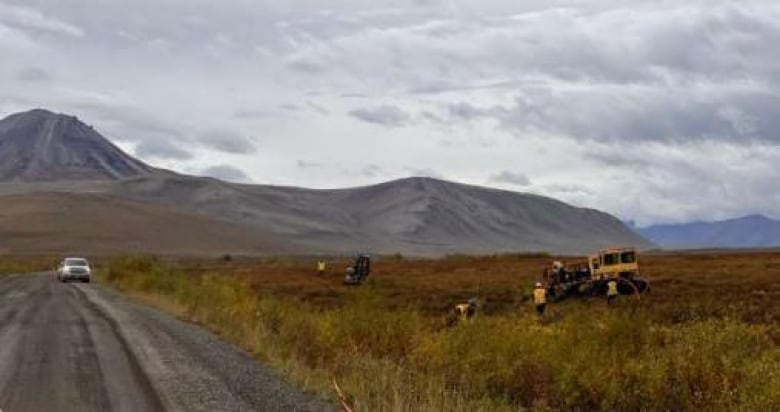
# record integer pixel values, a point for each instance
(34, 20)
(161, 149)
(227, 173)
(672, 183)
(512, 178)
(156, 138)
(303, 164)
(644, 115)
(636, 102)
(228, 142)
(317, 108)
(124, 122)
(34, 75)
(385, 115)
(306, 66)
(245, 114)
(465, 111)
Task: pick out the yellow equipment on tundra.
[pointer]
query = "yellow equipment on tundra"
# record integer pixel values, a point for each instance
(614, 262)
(618, 264)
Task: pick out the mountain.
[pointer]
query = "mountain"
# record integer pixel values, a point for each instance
(754, 231)
(57, 155)
(43, 146)
(420, 216)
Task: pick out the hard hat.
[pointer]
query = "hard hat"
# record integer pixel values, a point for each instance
(538, 284)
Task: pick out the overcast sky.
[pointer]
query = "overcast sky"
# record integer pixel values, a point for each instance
(655, 111)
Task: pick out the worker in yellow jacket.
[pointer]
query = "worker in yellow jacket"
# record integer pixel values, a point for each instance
(612, 291)
(321, 267)
(540, 298)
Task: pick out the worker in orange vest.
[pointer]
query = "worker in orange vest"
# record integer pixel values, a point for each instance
(612, 291)
(540, 298)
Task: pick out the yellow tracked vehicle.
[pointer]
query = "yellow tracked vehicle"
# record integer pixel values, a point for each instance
(591, 279)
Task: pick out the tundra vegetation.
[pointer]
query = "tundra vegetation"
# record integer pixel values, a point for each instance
(10, 265)
(705, 338)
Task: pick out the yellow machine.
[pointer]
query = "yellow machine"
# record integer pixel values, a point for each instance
(619, 264)
(614, 263)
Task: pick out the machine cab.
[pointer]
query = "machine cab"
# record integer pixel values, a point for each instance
(614, 262)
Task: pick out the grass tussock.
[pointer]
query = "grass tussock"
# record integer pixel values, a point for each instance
(387, 345)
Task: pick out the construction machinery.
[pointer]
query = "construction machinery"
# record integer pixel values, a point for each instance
(358, 272)
(591, 279)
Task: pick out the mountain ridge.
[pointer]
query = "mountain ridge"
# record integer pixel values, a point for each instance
(750, 231)
(435, 217)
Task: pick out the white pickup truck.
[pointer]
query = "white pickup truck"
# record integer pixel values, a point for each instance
(74, 269)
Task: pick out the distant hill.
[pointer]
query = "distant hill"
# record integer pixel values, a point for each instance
(416, 216)
(43, 146)
(42, 152)
(754, 231)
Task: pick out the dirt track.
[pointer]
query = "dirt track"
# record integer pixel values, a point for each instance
(81, 347)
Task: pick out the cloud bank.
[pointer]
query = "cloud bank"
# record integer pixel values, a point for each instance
(657, 111)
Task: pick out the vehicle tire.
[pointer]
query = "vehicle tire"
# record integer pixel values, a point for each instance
(642, 285)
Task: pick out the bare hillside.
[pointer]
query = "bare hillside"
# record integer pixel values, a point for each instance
(417, 216)
(98, 224)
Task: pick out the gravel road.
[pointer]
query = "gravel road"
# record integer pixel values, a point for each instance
(83, 347)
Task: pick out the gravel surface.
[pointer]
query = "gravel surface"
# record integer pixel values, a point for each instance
(82, 347)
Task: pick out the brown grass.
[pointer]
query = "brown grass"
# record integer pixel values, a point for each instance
(706, 338)
(716, 282)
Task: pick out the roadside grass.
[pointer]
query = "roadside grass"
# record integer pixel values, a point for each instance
(26, 264)
(706, 338)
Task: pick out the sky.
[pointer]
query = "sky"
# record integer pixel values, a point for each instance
(654, 111)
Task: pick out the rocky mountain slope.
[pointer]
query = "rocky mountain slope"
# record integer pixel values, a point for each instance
(43, 146)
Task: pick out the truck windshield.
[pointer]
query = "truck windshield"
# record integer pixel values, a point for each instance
(610, 259)
(75, 262)
(628, 257)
